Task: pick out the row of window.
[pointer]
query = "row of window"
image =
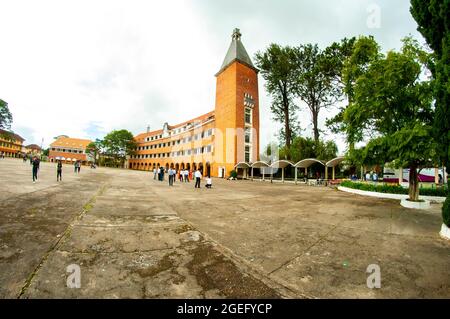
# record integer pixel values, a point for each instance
(188, 139)
(10, 145)
(194, 151)
(67, 150)
(179, 130)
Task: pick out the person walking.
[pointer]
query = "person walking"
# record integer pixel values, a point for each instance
(162, 174)
(79, 167)
(186, 176)
(59, 171)
(171, 173)
(181, 175)
(154, 173)
(198, 177)
(35, 168)
(75, 167)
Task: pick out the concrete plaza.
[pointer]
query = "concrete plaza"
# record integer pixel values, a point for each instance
(134, 237)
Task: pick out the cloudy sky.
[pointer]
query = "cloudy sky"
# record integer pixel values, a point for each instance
(84, 68)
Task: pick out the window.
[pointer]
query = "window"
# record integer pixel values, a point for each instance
(248, 115)
(247, 154)
(248, 134)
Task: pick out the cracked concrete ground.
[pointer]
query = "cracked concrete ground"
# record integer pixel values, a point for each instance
(134, 237)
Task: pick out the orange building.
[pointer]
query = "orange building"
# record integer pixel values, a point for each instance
(11, 144)
(69, 150)
(214, 142)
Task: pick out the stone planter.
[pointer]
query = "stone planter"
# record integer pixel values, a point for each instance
(415, 205)
(445, 232)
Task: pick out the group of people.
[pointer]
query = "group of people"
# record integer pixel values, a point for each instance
(183, 176)
(77, 167)
(35, 164)
(371, 176)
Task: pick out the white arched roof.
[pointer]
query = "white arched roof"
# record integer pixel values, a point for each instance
(260, 164)
(242, 165)
(336, 161)
(281, 164)
(308, 162)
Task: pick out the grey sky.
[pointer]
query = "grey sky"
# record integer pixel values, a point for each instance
(83, 68)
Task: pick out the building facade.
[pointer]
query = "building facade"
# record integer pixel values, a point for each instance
(69, 150)
(214, 142)
(11, 144)
(33, 150)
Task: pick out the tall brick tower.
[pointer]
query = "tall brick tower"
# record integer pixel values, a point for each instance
(237, 110)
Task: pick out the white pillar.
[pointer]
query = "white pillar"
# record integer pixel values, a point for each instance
(296, 175)
(400, 176)
(252, 173)
(326, 172)
(333, 174)
(263, 173)
(282, 175)
(436, 176)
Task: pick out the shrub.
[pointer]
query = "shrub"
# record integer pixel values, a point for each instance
(395, 189)
(446, 211)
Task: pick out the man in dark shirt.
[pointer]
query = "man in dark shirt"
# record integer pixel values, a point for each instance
(35, 164)
(59, 171)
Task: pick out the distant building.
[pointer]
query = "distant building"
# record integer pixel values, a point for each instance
(33, 149)
(69, 150)
(216, 141)
(10, 144)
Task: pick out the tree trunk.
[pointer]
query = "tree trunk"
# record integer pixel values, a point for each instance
(413, 184)
(315, 117)
(287, 130)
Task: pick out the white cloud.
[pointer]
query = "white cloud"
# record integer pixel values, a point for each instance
(85, 67)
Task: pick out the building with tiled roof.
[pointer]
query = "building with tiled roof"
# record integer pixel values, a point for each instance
(10, 144)
(216, 141)
(69, 150)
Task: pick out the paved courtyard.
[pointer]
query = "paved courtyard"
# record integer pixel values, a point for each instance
(134, 237)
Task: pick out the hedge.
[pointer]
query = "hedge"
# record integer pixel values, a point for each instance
(395, 189)
(446, 212)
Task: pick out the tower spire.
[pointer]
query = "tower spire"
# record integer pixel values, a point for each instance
(236, 52)
(236, 35)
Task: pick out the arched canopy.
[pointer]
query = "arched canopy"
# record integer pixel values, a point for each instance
(260, 164)
(336, 161)
(281, 164)
(308, 162)
(242, 165)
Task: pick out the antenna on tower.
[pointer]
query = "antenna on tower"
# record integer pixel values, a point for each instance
(148, 128)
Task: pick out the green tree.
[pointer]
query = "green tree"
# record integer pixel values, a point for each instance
(352, 58)
(278, 68)
(316, 84)
(433, 21)
(303, 148)
(118, 144)
(392, 109)
(94, 149)
(5, 116)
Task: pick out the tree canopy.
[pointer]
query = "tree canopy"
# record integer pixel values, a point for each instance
(118, 144)
(393, 110)
(5, 116)
(433, 21)
(278, 68)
